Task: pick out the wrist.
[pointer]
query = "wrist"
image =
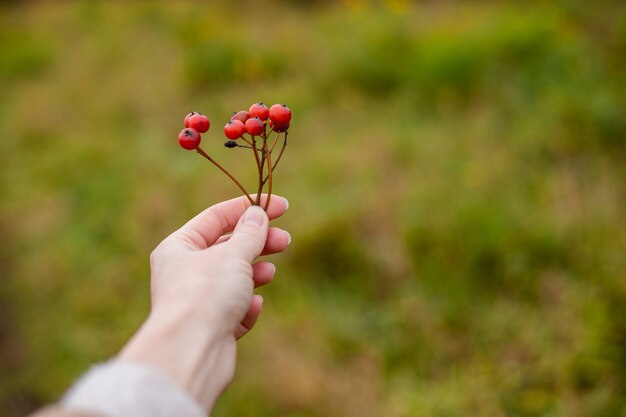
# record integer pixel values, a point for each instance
(198, 356)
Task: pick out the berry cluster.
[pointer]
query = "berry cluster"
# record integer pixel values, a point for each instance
(260, 129)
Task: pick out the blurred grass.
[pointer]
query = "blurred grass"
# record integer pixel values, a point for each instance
(456, 180)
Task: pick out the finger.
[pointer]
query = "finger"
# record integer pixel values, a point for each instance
(263, 273)
(248, 238)
(251, 317)
(277, 241)
(203, 230)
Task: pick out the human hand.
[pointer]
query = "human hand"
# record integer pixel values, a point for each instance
(204, 271)
(202, 285)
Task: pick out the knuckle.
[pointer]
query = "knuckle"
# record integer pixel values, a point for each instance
(253, 240)
(246, 243)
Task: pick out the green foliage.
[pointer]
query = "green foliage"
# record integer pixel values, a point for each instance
(21, 54)
(215, 63)
(333, 253)
(212, 60)
(456, 178)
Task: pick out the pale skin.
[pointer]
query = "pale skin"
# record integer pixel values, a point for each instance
(203, 278)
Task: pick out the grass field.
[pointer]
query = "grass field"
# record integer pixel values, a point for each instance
(457, 184)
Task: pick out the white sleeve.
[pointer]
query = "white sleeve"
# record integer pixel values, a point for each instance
(127, 389)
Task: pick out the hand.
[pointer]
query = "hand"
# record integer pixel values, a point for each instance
(201, 269)
(202, 294)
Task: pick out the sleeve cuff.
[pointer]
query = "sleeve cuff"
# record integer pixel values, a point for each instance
(127, 389)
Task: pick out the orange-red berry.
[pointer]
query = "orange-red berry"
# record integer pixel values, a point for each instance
(279, 127)
(254, 126)
(280, 114)
(189, 138)
(199, 122)
(189, 117)
(241, 115)
(259, 110)
(234, 129)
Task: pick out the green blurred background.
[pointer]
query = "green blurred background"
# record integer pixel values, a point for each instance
(456, 174)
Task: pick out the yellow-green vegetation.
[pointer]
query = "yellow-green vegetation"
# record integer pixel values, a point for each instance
(456, 174)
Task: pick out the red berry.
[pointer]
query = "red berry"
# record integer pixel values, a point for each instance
(189, 117)
(279, 127)
(189, 138)
(254, 126)
(259, 110)
(199, 122)
(241, 115)
(280, 114)
(234, 129)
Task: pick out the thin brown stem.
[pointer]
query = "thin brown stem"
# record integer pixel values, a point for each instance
(248, 147)
(263, 158)
(280, 155)
(214, 162)
(282, 150)
(247, 141)
(258, 165)
(268, 156)
(275, 141)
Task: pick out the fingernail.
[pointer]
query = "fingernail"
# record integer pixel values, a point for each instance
(288, 237)
(286, 203)
(261, 299)
(254, 215)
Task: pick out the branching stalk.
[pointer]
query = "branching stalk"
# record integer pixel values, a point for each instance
(214, 162)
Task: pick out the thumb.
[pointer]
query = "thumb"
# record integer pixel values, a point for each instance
(250, 234)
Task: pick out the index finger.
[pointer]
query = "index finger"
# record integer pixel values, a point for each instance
(204, 229)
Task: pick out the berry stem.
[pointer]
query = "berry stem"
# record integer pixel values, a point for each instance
(280, 154)
(269, 172)
(248, 147)
(275, 141)
(263, 158)
(249, 142)
(258, 165)
(282, 149)
(214, 162)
